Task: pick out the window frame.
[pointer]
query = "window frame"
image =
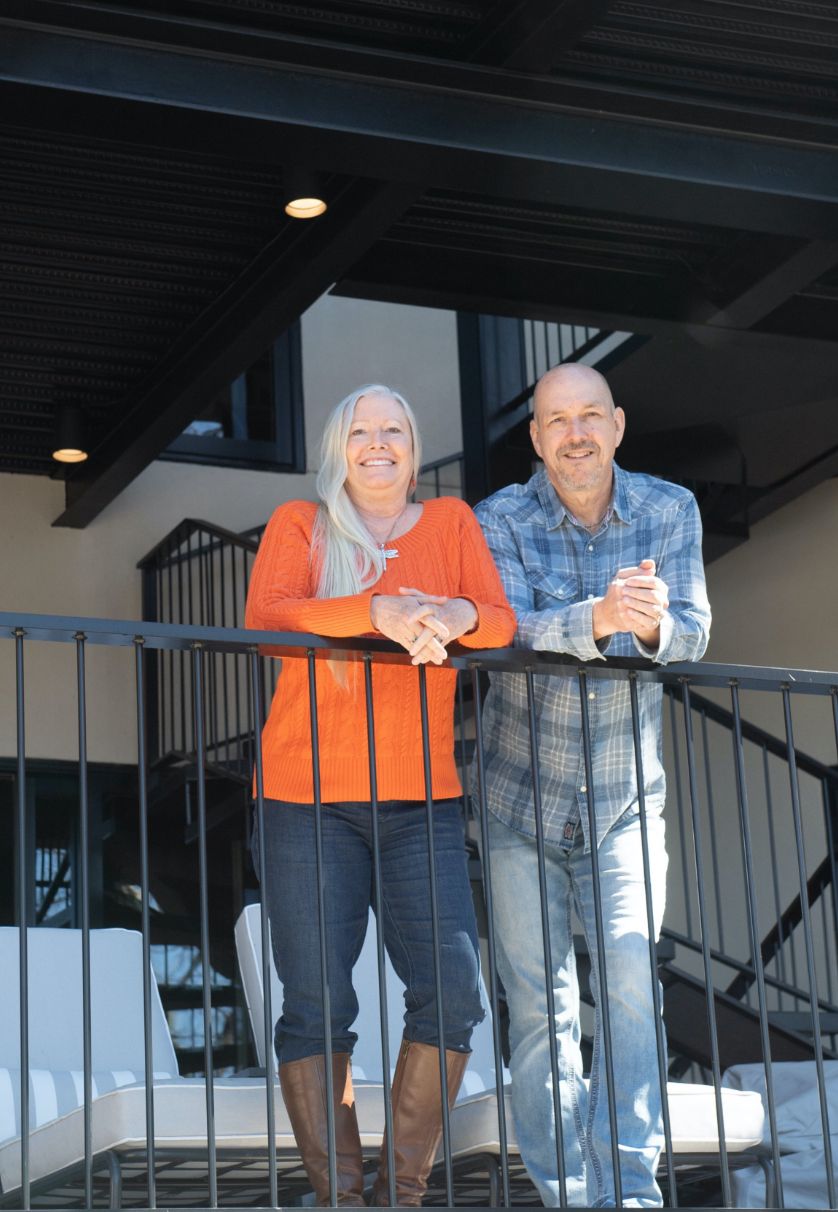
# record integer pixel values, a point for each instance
(288, 452)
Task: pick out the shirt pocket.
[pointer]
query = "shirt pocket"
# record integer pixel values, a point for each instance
(550, 589)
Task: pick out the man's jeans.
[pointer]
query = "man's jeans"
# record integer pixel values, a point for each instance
(291, 898)
(520, 957)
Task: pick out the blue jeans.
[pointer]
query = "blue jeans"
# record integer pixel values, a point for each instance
(291, 898)
(520, 956)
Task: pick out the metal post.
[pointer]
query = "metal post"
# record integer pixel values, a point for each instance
(555, 1076)
(379, 934)
(142, 773)
(84, 906)
(429, 811)
(22, 917)
(809, 946)
(321, 922)
(490, 934)
(602, 995)
(200, 758)
(267, 967)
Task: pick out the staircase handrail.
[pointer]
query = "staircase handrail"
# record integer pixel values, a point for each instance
(752, 732)
(190, 526)
(744, 969)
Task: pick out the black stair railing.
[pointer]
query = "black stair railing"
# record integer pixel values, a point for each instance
(198, 575)
(797, 814)
(772, 766)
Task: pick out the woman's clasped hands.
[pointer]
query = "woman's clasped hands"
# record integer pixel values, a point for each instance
(423, 623)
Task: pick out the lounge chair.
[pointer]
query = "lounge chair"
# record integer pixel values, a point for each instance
(475, 1129)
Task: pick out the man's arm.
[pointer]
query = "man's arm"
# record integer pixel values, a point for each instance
(685, 624)
(558, 629)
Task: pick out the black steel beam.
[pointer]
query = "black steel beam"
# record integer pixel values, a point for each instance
(773, 286)
(286, 277)
(242, 43)
(471, 280)
(494, 133)
(531, 35)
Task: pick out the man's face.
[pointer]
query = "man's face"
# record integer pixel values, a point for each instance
(575, 431)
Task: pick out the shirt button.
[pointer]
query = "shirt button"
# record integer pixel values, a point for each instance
(591, 694)
(583, 789)
(590, 547)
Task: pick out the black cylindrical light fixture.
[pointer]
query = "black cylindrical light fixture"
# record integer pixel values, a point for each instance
(303, 194)
(68, 443)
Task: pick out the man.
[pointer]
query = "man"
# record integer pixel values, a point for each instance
(596, 562)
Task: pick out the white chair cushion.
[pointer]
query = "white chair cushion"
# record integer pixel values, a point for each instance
(55, 1092)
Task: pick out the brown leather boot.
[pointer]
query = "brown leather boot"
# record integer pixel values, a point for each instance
(303, 1084)
(417, 1121)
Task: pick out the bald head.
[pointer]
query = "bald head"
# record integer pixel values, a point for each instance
(573, 380)
(575, 430)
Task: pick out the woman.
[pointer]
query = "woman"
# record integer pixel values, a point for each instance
(368, 560)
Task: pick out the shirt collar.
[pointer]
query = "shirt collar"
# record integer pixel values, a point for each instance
(555, 512)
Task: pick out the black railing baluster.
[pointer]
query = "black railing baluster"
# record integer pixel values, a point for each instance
(490, 935)
(831, 841)
(440, 1025)
(267, 961)
(171, 653)
(602, 975)
(808, 945)
(775, 883)
(321, 925)
(83, 914)
(555, 1075)
(704, 927)
(463, 748)
(682, 831)
(711, 820)
(181, 659)
(225, 659)
(22, 913)
(214, 657)
(753, 932)
(827, 957)
(657, 997)
(378, 903)
(203, 890)
(240, 731)
(142, 791)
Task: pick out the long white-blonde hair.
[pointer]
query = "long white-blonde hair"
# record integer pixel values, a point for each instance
(349, 559)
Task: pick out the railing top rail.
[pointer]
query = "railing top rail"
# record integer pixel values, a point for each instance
(190, 526)
(124, 632)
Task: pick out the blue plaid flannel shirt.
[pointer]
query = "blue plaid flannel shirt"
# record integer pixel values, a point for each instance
(552, 569)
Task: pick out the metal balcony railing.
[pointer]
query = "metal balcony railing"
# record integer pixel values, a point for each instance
(210, 1162)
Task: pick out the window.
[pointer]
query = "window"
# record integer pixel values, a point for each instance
(257, 421)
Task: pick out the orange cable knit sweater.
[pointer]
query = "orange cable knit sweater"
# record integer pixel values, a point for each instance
(444, 553)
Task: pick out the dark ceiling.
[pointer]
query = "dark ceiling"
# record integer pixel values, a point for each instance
(666, 169)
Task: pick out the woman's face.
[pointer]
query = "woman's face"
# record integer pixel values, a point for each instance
(379, 452)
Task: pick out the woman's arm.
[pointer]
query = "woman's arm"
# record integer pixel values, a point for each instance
(479, 616)
(281, 592)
